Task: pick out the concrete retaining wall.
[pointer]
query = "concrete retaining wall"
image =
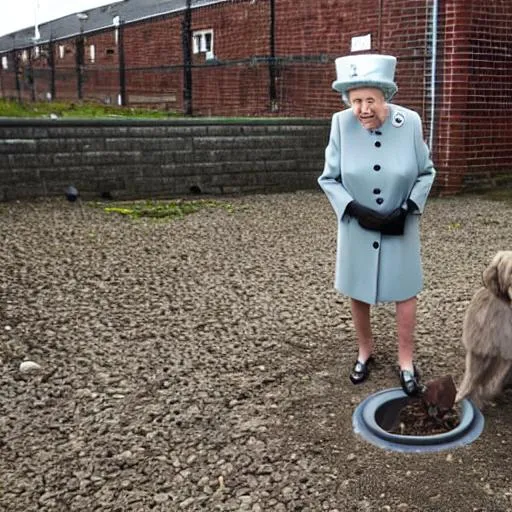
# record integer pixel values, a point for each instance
(144, 158)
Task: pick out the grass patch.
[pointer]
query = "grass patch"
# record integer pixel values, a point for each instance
(85, 110)
(169, 210)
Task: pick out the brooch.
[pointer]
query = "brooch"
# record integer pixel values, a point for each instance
(398, 119)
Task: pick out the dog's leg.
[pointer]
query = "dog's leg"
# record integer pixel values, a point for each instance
(497, 378)
(472, 376)
(484, 378)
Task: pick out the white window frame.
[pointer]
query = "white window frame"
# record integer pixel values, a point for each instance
(37, 52)
(24, 55)
(200, 42)
(92, 53)
(5, 62)
(62, 51)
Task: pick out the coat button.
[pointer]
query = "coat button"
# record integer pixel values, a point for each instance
(376, 167)
(379, 200)
(376, 190)
(378, 132)
(377, 144)
(375, 245)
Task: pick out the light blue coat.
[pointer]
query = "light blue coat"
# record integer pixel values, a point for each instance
(369, 266)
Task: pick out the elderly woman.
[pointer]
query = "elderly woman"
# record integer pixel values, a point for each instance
(377, 177)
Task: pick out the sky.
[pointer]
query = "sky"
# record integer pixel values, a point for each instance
(18, 14)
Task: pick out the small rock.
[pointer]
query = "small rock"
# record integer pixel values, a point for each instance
(351, 456)
(287, 492)
(126, 484)
(403, 506)
(161, 497)
(449, 458)
(29, 367)
(245, 500)
(186, 503)
(488, 490)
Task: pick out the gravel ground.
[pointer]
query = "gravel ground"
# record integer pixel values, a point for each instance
(202, 364)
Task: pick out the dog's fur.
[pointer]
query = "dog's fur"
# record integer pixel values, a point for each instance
(487, 334)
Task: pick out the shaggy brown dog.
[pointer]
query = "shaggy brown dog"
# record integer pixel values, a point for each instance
(487, 334)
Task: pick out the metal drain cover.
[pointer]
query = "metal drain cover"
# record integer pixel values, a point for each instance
(375, 412)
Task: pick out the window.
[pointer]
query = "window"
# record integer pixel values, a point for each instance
(202, 42)
(37, 52)
(92, 53)
(5, 62)
(62, 51)
(24, 56)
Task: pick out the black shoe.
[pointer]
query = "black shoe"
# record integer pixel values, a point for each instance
(361, 371)
(410, 382)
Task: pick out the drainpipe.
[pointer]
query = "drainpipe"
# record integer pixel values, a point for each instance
(433, 73)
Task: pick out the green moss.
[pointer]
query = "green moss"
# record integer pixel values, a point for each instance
(162, 209)
(76, 110)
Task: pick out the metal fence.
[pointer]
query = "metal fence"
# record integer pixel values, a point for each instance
(258, 85)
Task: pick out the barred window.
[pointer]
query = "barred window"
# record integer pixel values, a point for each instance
(202, 42)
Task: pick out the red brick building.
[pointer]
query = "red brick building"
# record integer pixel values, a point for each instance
(276, 57)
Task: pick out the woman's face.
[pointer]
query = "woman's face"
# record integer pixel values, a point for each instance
(369, 106)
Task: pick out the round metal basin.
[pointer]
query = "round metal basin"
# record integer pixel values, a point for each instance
(378, 413)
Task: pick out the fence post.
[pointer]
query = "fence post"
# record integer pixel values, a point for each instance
(16, 59)
(79, 65)
(272, 63)
(122, 64)
(51, 63)
(30, 75)
(80, 54)
(187, 59)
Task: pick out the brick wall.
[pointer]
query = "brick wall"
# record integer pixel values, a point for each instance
(488, 114)
(472, 128)
(133, 159)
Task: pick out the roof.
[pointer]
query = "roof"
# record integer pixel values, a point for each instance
(129, 11)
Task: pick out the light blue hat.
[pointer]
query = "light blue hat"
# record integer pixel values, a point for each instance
(367, 70)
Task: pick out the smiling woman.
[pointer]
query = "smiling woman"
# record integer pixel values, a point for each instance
(377, 176)
(369, 106)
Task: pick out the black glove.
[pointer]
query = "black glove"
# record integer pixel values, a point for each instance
(394, 223)
(367, 218)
